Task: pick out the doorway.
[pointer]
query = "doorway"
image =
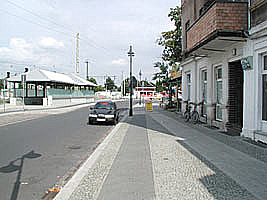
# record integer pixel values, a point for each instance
(235, 97)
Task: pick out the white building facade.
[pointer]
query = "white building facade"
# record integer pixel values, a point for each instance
(225, 64)
(255, 85)
(214, 40)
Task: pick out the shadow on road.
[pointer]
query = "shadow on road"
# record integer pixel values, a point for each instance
(12, 167)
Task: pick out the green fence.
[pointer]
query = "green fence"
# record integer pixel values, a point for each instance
(60, 93)
(69, 93)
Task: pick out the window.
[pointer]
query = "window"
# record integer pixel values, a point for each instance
(204, 89)
(218, 93)
(188, 78)
(265, 62)
(264, 89)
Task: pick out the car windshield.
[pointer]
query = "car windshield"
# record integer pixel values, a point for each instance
(103, 105)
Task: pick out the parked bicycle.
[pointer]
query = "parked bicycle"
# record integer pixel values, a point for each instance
(193, 115)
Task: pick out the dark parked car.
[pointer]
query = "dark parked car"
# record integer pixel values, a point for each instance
(104, 111)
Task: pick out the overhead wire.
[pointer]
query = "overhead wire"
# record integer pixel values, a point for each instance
(37, 15)
(89, 42)
(32, 22)
(64, 30)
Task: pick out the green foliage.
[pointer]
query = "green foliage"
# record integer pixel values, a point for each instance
(127, 84)
(92, 80)
(145, 84)
(99, 88)
(172, 40)
(162, 76)
(172, 52)
(110, 85)
(1, 84)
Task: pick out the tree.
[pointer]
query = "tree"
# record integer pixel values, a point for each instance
(172, 40)
(92, 80)
(99, 88)
(161, 77)
(110, 85)
(1, 84)
(127, 84)
(145, 83)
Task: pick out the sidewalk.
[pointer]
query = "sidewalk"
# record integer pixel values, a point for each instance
(16, 114)
(154, 155)
(7, 108)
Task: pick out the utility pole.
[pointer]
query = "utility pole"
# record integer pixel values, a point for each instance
(122, 84)
(140, 74)
(87, 70)
(131, 54)
(4, 94)
(77, 52)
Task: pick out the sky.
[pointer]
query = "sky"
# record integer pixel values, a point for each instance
(41, 34)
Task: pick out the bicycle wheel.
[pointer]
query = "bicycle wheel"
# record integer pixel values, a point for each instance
(186, 116)
(195, 117)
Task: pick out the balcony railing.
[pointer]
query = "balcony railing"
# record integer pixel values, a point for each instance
(220, 16)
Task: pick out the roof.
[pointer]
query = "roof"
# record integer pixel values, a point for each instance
(48, 76)
(79, 80)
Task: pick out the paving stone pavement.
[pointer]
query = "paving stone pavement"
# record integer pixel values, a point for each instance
(153, 155)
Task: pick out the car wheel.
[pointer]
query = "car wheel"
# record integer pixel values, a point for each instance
(90, 121)
(115, 121)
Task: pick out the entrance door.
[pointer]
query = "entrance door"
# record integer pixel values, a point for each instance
(235, 97)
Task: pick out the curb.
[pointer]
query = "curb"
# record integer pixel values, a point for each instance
(73, 183)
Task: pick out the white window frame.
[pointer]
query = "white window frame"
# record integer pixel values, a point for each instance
(204, 81)
(218, 79)
(263, 72)
(189, 85)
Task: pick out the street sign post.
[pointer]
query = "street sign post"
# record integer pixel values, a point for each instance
(131, 54)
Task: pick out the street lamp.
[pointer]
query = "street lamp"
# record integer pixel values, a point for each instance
(140, 74)
(131, 54)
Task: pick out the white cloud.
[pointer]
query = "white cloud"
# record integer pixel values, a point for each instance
(44, 51)
(50, 42)
(5, 50)
(18, 49)
(119, 62)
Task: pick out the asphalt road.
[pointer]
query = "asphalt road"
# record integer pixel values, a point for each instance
(40, 152)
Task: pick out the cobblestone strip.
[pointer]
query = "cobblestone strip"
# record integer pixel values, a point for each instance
(91, 184)
(182, 173)
(239, 143)
(176, 171)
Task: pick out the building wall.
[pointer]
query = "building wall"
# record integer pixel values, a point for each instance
(190, 10)
(254, 126)
(221, 16)
(195, 67)
(258, 12)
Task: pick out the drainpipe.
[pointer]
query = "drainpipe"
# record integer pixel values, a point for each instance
(249, 4)
(196, 79)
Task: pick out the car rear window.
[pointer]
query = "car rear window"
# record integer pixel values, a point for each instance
(103, 105)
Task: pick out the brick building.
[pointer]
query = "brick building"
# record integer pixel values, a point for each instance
(218, 44)
(214, 36)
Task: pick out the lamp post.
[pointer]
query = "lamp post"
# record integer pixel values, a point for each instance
(131, 54)
(140, 74)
